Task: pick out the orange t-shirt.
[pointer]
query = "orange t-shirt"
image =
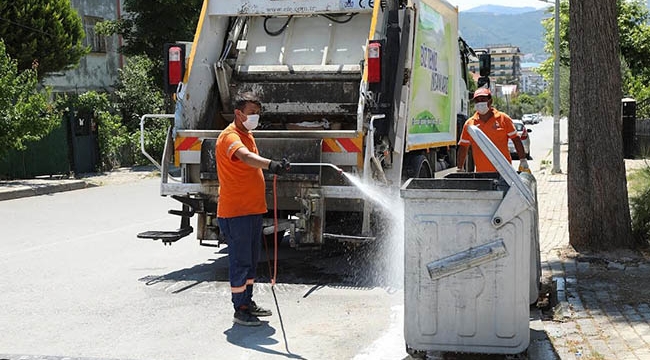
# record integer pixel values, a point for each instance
(499, 128)
(241, 186)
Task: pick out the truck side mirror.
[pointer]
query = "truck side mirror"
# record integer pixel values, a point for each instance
(485, 64)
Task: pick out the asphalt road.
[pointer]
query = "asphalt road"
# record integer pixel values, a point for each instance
(75, 282)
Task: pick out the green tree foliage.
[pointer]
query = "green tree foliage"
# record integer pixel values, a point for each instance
(634, 33)
(149, 24)
(43, 33)
(136, 92)
(25, 114)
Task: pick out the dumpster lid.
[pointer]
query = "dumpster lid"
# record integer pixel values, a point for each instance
(500, 163)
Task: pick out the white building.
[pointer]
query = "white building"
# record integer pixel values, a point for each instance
(99, 69)
(532, 82)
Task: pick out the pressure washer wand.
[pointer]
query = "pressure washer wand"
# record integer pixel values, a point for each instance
(338, 169)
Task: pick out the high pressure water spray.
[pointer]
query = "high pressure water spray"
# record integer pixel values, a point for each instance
(338, 169)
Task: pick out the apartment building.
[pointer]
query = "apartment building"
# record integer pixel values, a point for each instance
(532, 82)
(506, 63)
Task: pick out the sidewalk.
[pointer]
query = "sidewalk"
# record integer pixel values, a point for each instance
(592, 320)
(15, 189)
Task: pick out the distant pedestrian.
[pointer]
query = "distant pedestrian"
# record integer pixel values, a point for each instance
(242, 203)
(497, 126)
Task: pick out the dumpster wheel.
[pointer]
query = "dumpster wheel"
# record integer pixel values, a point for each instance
(416, 354)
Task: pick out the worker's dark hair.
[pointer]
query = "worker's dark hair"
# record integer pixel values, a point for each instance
(246, 97)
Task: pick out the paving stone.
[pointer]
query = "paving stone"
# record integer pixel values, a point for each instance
(597, 329)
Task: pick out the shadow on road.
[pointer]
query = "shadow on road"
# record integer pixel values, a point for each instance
(361, 267)
(255, 338)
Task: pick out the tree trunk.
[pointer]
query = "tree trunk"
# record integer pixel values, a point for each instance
(599, 215)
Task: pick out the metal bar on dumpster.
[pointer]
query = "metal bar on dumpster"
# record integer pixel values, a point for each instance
(467, 259)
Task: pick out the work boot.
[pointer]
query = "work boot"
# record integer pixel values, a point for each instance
(244, 317)
(259, 311)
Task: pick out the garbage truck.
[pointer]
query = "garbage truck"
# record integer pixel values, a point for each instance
(373, 89)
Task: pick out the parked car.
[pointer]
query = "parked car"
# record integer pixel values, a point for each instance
(529, 119)
(525, 140)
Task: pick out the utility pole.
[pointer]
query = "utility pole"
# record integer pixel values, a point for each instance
(556, 92)
(556, 95)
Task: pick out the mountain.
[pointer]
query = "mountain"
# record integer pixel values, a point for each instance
(523, 29)
(501, 10)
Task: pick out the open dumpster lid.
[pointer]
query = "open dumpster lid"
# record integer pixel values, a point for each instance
(501, 164)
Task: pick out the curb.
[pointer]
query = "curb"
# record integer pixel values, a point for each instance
(21, 191)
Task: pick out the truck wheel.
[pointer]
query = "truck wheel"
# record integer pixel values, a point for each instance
(418, 167)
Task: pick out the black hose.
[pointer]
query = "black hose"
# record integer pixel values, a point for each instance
(332, 18)
(278, 32)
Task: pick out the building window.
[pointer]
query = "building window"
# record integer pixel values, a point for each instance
(96, 42)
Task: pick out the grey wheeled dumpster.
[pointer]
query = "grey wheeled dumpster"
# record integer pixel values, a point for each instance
(471, 257)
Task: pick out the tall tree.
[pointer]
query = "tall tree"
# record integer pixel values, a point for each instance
(599, 215)
(46, 33)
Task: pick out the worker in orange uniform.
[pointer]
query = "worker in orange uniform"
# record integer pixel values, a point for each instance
(242, 204)
(497, 126)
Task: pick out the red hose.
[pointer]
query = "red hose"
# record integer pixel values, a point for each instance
(275, 227)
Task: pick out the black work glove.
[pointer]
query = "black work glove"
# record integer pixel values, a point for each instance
(279, 167)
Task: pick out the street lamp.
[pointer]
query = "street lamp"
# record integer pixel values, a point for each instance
(556, 92)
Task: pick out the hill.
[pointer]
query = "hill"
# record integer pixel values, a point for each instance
(523, 29)
(502, 10)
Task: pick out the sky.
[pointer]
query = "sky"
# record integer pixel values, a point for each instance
(468, 4)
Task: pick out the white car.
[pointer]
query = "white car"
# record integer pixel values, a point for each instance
(529, 119)
(525, 140)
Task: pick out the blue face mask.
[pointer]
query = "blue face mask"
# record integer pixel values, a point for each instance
(251, 121)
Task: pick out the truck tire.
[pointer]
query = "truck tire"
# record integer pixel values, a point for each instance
(417, 166)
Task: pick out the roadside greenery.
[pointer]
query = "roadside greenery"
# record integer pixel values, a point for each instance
(634, 32)
(118, 116)
(25, 112)
(639, 183)
(137, 94)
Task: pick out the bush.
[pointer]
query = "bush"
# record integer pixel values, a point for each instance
(25, 113)
(137, 94)
(640, 204)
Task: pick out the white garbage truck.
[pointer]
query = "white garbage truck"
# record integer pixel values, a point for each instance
(376, 89)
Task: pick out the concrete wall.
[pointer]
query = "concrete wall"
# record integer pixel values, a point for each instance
(97, 70)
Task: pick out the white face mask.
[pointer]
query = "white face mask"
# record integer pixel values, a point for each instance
(481, 107)
(251, 121)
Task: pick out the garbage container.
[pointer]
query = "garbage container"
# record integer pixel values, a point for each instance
(629, 127)
(471, 257)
